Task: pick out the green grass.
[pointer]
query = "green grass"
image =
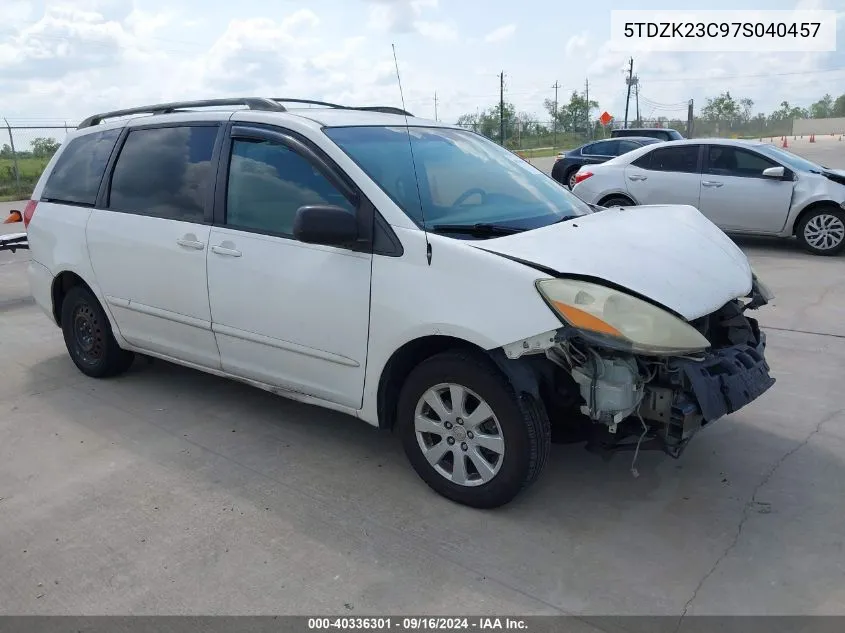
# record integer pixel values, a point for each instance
(545, 152)
(30, 172)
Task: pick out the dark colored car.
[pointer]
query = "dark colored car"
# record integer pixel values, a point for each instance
(592, 154)
(660, 133)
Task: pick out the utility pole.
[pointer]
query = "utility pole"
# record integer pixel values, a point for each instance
(587, 95)
(690, 120)
(628, 98)
(637, 93)
(502, 108)
(554, 117)
(435, 106)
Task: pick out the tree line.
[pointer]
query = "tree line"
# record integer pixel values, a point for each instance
(723, 112)
(726, 108)
(40, 147)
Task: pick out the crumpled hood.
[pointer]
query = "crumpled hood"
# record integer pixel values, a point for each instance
(669, 253)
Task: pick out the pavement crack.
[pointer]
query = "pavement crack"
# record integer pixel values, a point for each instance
(789, 329)
(752, 502)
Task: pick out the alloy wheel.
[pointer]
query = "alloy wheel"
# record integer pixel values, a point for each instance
(459, 434)
(824, 232)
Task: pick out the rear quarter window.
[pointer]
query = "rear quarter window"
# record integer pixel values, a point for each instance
(79, 169)
(165, 172)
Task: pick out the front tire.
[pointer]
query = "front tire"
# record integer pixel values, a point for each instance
(822, 231)
(88, 336)
(467, 433)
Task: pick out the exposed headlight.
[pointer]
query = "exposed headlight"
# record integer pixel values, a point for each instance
(620, 320)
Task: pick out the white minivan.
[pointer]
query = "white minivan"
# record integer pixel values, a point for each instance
(412, 274)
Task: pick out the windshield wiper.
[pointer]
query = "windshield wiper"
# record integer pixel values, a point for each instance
(479, 228)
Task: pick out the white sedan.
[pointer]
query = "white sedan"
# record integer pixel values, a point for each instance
(743, 187)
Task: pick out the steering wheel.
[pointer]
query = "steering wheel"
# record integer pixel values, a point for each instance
(469, 193)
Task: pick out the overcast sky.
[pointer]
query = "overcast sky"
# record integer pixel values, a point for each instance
(64, 59)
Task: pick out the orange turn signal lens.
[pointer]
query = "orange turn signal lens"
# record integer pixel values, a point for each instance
(585, 320)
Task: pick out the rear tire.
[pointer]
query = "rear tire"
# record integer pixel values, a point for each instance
(88, 336)
(617, 201)
(502, 449)
(569, 177)
(822, 231)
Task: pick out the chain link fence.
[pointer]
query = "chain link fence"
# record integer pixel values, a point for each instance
(545, 137)
(757, 127)
(24, 153)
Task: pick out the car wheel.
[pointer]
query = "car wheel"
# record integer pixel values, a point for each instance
(88, 336)
(822, 231)
(467, 433)
(570, 177)
(617, 201)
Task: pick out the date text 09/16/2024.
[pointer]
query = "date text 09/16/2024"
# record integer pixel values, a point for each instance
(419, 623)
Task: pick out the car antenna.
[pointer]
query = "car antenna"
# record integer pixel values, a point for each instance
(413, 162)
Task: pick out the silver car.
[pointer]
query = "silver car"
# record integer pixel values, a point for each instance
(743, 187)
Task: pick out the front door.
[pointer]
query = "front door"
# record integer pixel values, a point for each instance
(148, 246)
(285, 313)
(736, 196)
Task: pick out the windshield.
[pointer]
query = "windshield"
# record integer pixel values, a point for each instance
(461, 178)
(792, 160)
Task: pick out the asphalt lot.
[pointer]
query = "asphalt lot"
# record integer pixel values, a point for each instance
(168, 491)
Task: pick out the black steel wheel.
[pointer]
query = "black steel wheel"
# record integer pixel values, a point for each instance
(88, 336)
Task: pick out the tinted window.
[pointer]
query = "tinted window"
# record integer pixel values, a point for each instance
(627, 146)
(586, 150)
(79, 168)
(268, 182)
(679, 159)
(164, 172)
(604, 148)
(731, 161)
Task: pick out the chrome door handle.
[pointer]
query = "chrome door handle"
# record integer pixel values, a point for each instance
(229, 252)
(711, 183)
(636, 177)
(190, 241)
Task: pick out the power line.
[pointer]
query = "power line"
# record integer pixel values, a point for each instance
(658, 79)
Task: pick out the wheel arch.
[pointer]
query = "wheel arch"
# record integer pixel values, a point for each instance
(62, 283)
(813, 206)
(616, 194)
(521, 373)
(69, 278)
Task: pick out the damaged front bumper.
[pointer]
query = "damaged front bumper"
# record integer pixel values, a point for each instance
(699, 392)
(642, 402)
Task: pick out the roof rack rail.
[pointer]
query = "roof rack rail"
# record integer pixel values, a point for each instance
(385, 109)
(253, 103)
(310, 102)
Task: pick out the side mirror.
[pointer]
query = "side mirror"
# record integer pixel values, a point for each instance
(325, 224)
(774, 172)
